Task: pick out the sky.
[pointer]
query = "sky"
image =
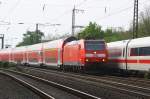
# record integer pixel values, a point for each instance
(107, 13)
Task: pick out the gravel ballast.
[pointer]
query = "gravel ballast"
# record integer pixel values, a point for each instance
(97, 89)
(10, 89)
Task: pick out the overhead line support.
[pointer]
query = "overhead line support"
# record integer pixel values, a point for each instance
(135, 19)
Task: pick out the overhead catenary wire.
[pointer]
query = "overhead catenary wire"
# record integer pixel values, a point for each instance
(12, 9)
(114, 13)
(105, 9)
(120, 11)
(80, 4)
(68, 11)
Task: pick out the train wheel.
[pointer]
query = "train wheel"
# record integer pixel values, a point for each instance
(73, 69)
(63, 68)
(76, 68)
(41, 65)
(82, 69)
(79, 68)
(69, 68)
(28, 65)
(25, 64)
(60, 68)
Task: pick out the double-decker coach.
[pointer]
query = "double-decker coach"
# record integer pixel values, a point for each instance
(34, 54)
(59, 54)
(53, 52)
(5, 55)
(18, 55)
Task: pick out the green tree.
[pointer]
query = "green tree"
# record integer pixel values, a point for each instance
(31, 37)
(144, 23)
(114, 35)
(92, 31)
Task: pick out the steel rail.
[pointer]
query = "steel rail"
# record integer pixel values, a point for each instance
(78, 93)
(39, 92)
(99, 79)
(112, 83)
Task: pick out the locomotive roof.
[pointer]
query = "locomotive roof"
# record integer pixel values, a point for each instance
(72, 43)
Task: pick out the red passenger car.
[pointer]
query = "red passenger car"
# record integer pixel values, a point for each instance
(59, 54)
(5, 55)
(17, 55)
(34, 54)
(84, 54)
(53, 52)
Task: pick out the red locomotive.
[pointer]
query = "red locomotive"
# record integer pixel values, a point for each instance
(85, 54)
(68, 53)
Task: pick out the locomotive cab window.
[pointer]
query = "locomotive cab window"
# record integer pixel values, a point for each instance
(94, 45)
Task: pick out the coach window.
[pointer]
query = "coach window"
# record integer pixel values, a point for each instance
(134, 52)
(144, 51)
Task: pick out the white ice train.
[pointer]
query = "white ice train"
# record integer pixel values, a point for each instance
(131, 54)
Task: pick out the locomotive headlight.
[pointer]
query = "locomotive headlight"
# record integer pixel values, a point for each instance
(94, 52)
(86, 60)
(103, 60)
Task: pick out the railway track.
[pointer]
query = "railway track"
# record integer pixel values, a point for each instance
(11, 89)
(34, 89)
(129, 80)
(69, 92)
(128, 86)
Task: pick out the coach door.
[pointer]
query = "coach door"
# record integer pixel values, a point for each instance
(133, 59)
(59, 57)
(123, 63)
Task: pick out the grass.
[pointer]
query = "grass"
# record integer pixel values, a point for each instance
(147, 75)
(7, 64)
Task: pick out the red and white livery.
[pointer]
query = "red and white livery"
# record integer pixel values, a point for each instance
(131, 54)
